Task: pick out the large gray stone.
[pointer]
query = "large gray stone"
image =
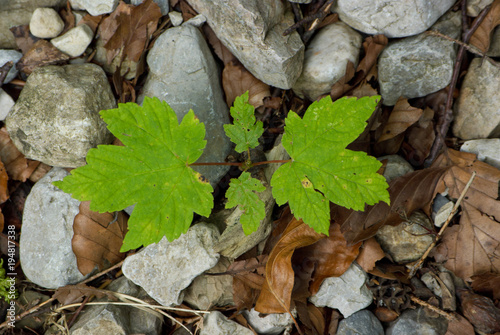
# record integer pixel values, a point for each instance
(46, 255)
(417, 322)
(10, 56)
(270, 324)
(184, 74)
(477, 110)
(253, 31)
(166, 268)
(393, 18)
(56, 118)
(360, 323)
(74, 41)
(419, 65)
(326, 58)
(487, 150)
(95, 7)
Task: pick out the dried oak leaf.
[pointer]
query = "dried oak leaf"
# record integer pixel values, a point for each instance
(471, 247)
(75, 293)
(420, 138)
(402, 117)
(236, 80)
(459, 326)
(482, 35)
(487, 283)
(275, 296)
(220, 49)
(369, 254)
(42, 53)
(24, 39)
(248, 278)
(97, 241)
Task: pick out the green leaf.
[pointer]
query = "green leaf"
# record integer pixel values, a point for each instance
(241, 192)
(151, 170)
(321, 169)
(245, 132)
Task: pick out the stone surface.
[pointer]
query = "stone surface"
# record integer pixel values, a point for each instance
(407, 241)
(477, 109)
(216, 323)
(46, 23)
(176, 18)
(95, 7)
(7, 56)
(163, 4)
(6, 103)
(207, 291)
(184, 74)
(165, 268)
(326, 58)
(347, 293)
(396, 167)
(253, 31)
(419, 65)
(487, 150)
(494, 50)
(360, 323)
(417, 322)
(56, 118)
(74, 41)
(393, 18)
(45, 245)
(474, 7)
(271, 324)
(111, 319)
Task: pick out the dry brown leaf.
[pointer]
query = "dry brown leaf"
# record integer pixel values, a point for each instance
(487, 283)
(459, 326)
(421, 138)
(74, 293)
(402, 117)
(4, 190)
(42, 53)
(471, 247)
(91, 21)
(236, 80)
(480, 311)
(96, 241)
(342, 85)
(24, 39)
(220, 49)
(275, 296)
(482, 35)
(187, 11)
(68, 18)
(248, 278)
(370, 253)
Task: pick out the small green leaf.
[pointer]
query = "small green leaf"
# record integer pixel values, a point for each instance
(321, 168)
(151, 170)
(241, 192)
(245, 132)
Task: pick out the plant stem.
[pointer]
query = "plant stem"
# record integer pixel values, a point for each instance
(240, 164)
(275, 161)
(232, 164)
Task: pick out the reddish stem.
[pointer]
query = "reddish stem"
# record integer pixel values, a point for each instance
(240, 164)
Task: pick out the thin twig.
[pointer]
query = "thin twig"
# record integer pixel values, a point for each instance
(447, 315)
(416, 266)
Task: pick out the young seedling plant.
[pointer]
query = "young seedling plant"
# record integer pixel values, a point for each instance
(153, 168)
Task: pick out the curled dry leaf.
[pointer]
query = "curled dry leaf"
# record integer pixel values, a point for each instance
(236, 80)
(97, 239)
(42, 53)
(369, 254)
(421, 138)
(75, 293)
(220, 49)
(402, 117)
(275, 296)
(471, 247)
(482, 35)
(248, 278)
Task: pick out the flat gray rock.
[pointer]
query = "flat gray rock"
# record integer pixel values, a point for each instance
(360, 323)
(392, 18)
(487, 150)
(95, 7)
(46, 255)
(253, 31)
(184, 74)
(10, 56)
(270, 324)
(417, 322)
(166, 268)
(56, 118)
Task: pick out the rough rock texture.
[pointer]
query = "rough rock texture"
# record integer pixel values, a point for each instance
(407, 241)
(45, 246)
(163, 4)
(184, 74)
(74, 41)
(95, 7)
(271, 324)
(347, 293)
(396, 167)
(477, 110)
(46, 23)
(474, 7)
(360, 323)
(326, 58)
(56, 118)
(216, 323)
(494, 50)
(165, 268)
(419, 65)
(417, 322)
(393, 18)
(110, 319)
(6, 103)
(253, 31)
(487, 151)
(7, 56)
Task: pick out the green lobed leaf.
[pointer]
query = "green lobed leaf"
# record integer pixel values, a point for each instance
(245, 132)
(321, 169)
(151, 170)
(241, 192)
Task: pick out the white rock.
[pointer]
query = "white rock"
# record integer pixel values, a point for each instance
(396, 167)
(95, 7)
(477, 109)
(271, 324)
(74, 41)
(393, 18)
(6, 103)
(443, 213)
(347, 293)
(326, 58)
(45, 246)
(165, 268)
(7, 56)
(46, 23)
(176, 18)
(487, 150)
(216, 323)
